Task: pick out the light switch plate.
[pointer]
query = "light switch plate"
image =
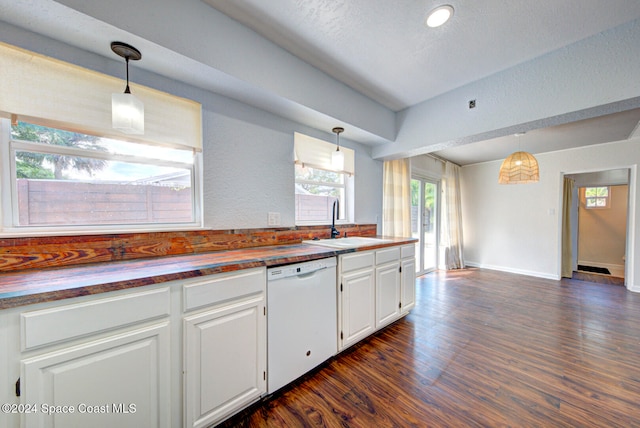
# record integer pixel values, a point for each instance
(273, 219)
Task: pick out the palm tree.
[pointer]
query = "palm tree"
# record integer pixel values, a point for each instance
(30, 165)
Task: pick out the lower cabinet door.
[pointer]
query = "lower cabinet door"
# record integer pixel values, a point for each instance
(408, 284)
(357, 291)
(388, 303)
(224, 361)
(118, 381)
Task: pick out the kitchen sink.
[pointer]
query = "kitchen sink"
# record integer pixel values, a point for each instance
(351, 242)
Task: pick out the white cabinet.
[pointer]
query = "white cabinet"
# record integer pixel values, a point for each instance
(122, 380)
(356, 302)
(185, 353)
(387, 294)
(376, 288)
(395, 283)
(99, 363)
(408, 277)
(224, 346)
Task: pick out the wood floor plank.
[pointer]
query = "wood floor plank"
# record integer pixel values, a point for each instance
(481, 349)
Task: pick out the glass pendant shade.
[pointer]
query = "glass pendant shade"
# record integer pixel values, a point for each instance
(127, 113)
(337, 160)
(337, 157)
(519, 168)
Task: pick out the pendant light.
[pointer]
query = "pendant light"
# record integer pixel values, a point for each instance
(337, 157)
(519, 168)
(127, 111)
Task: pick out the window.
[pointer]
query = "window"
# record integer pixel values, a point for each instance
(60, 178)
(318, 185)
(316, 191)
(596, 197)
(63, 167)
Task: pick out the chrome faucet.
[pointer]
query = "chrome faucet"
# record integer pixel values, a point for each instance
(335, 216)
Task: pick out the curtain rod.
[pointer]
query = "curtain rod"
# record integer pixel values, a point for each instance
(441, 159)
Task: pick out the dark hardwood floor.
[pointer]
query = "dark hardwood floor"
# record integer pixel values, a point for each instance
(596, 277)
(481, 348)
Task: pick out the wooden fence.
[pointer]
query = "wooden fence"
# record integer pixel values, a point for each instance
(50, 202)
(314, 207)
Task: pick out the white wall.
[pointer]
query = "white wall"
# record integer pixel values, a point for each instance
(248, 168)
(516, 228)
(602, 231)
(247, 152)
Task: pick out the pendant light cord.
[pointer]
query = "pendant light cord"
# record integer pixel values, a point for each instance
(337, 130)
(127, 90)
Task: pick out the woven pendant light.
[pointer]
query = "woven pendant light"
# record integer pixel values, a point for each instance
(519, 168)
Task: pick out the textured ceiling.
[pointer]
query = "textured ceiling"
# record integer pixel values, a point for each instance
(380, 48)
(607, 128)
(383, 49)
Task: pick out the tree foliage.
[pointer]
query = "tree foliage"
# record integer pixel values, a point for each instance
(429, 195)
(318, 181)
(38, 165)
(429, 201)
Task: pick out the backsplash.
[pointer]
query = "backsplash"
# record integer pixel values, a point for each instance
(60, 251)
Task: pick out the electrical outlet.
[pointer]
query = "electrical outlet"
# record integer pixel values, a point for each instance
(273, 219)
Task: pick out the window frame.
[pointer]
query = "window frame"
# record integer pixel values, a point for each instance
(316, 153)
(607, 198)
(346, 206)
(9, 212)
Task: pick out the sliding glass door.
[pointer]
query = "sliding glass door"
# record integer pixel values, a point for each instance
(424, 222)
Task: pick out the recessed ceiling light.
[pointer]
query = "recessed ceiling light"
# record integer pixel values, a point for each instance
(439, 16)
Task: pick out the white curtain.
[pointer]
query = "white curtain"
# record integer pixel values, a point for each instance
(451, 223)
(396, 198)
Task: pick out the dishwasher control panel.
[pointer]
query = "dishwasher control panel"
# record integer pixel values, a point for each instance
(300, 268)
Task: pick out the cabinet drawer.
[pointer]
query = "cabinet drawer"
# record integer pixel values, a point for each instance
(47, 326)
(356, 261)
(387, 255)
(215, 289)
(408, 251)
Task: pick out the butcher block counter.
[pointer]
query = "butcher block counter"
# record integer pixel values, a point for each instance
(27, 287)
(172, 326)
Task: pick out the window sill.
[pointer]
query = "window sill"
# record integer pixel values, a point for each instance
(324, 223)
(19, 232)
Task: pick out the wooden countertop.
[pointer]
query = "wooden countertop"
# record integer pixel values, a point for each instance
(38, 286)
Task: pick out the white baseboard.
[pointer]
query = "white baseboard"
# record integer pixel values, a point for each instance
(513, 270)
(634, 288)
(630, 287)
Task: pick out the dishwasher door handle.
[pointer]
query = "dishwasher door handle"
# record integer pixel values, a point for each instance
(308, 274)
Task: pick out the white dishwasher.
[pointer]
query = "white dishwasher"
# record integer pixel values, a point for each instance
(301, 319)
